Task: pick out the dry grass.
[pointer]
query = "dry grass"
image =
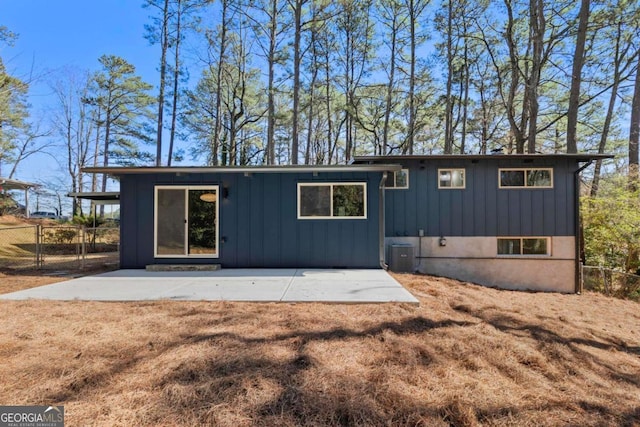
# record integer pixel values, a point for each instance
(466, 356)
(16, 280)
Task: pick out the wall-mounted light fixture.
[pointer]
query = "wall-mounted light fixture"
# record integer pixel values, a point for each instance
(442, 241)
(209, 197)
(225, 192)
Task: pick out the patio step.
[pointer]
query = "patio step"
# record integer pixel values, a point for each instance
(182, 267)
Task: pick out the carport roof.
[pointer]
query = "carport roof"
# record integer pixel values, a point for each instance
(117, 170)
(99, 197)
(12, 184)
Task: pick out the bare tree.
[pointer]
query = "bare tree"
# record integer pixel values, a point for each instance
(73, 125)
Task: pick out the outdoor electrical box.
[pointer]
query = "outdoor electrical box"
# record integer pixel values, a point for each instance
(401, 258)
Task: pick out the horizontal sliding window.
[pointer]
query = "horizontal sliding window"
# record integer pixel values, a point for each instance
(526, 178)
(398, 179)
(332, 200)
(524, 246)
(451, 178)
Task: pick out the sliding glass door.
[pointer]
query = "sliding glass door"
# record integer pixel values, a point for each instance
(186, 221)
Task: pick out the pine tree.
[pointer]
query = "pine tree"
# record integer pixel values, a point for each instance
(124, 101)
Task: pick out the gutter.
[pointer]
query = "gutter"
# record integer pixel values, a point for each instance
(576, 189)
(381, 220)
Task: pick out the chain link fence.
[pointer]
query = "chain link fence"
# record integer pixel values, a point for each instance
(100, 246)
(18, 247)
(611, 282)
(58, 247)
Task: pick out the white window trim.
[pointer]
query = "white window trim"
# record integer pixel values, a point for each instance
(331, 185)
(451, 170)
(521, 255)
(525, 186)
(406, 187)
(185, 189)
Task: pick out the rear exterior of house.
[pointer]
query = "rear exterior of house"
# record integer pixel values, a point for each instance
(251, 217)
(508, 221)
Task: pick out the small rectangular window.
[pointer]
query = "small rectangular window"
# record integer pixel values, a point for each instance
(451, 178)
(526, 178)
(332, 200)
(524, 246)
(398, 180)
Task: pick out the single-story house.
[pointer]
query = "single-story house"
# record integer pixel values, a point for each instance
(509, 221)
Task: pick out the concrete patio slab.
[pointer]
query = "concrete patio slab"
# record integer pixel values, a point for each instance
(263, 285)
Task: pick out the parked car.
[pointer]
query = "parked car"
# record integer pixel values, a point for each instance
(44, 215)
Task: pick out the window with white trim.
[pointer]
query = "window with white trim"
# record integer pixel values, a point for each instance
(526, 178)
(398, 180)
(451, 178)
(524, 246)
(329, 200)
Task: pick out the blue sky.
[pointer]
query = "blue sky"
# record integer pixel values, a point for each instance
(54, 35)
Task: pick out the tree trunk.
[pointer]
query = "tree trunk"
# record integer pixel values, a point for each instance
(634, 132)
(163, 71)
(271, 109)
(96, 152)
(537, 29)
(595, 183)
(517, 132)
(176, 78)
(448, 126)
(105, 157)
(347, 98)
(218, 107)
(327, 81)
(576, 78)
(297, 58)
(390, 88)
(312, 86)
(465, 102)
(408, 148)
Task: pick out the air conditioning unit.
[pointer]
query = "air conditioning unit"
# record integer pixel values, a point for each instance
(401, 258)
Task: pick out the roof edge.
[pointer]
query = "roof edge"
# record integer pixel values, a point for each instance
(583, 157)
(122, 170)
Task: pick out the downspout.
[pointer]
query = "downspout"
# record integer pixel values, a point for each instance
(381, 220)
(576, 189)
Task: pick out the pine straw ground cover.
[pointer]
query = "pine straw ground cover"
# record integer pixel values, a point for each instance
(466, 356)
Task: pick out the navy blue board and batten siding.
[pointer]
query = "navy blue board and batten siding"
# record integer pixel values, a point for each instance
(482, 208)
(258, 222)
